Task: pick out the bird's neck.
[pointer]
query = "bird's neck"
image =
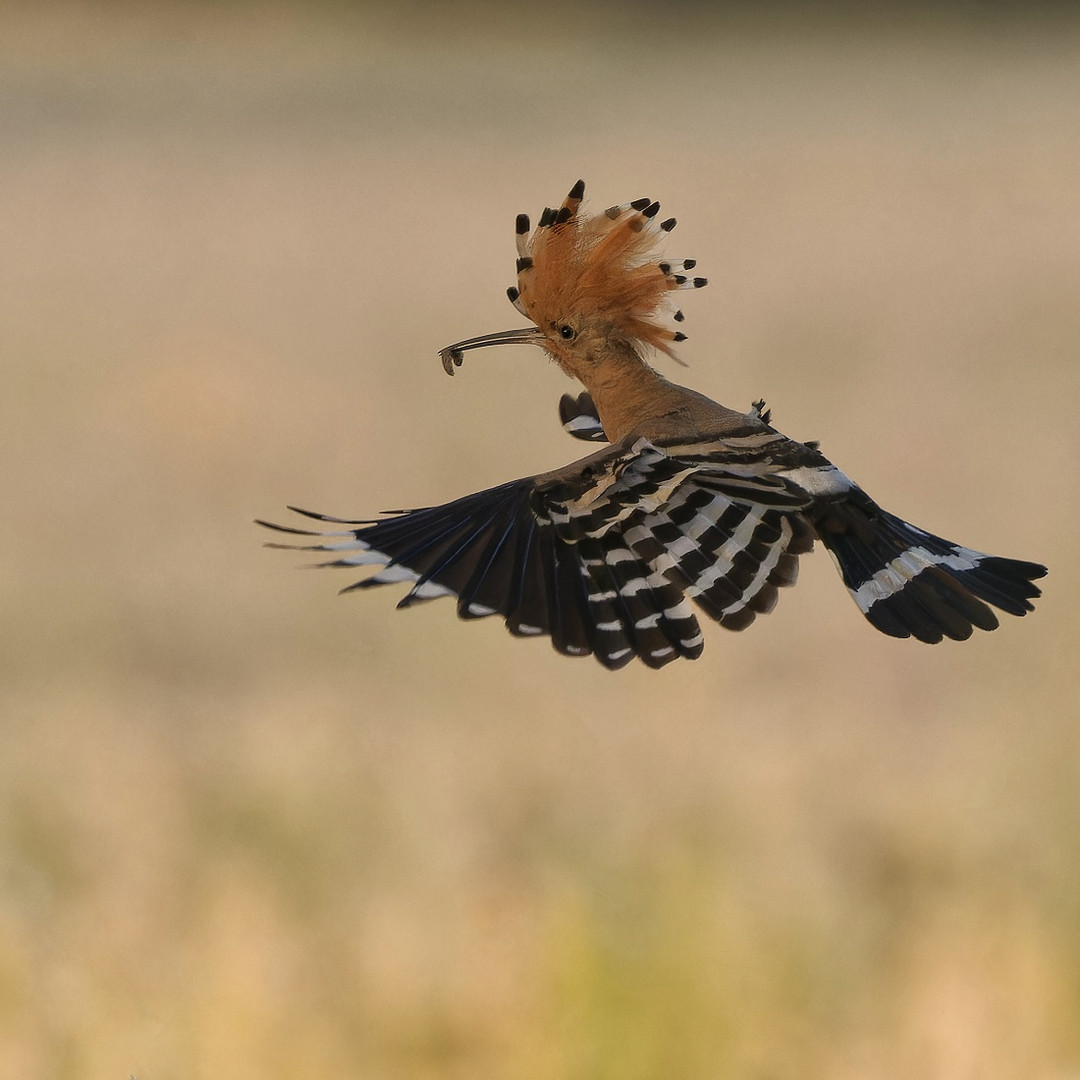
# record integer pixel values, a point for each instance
(633, 399)
(627, 392)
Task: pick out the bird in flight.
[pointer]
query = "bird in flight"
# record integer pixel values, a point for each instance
(690, 508)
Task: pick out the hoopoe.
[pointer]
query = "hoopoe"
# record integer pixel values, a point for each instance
(689, 501)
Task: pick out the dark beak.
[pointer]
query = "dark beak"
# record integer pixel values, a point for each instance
(451, 356)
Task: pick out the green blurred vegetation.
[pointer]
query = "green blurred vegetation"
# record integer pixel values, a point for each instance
(249, 829)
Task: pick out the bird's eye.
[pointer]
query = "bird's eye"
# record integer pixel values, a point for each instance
(567, 331)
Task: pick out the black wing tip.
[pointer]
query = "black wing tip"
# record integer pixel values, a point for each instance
(1013, 569)
(331, 520)
(582, 405)
(1008, 584)
(285, 529)
(939, 603)
(314, 514)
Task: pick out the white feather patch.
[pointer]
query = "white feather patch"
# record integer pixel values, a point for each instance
(895, 575)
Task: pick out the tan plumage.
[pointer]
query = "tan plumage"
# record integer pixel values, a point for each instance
(598, 293)
(601, 270)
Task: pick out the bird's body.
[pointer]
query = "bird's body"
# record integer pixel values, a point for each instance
(690, 503)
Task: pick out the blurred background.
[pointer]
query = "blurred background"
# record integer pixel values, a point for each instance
(251, 829)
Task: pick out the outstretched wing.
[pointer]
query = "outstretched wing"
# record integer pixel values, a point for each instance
(604, 555)
(579, 417)
(911, 583)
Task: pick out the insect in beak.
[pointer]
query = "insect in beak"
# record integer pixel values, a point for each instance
(452, 357)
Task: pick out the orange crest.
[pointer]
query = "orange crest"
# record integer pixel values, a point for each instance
(600, 269)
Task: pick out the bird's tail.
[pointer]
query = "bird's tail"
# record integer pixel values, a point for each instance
(910, 583)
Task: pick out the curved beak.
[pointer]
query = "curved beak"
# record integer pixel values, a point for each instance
(451, 356)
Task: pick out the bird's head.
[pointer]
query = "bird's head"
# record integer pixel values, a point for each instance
(594, 286)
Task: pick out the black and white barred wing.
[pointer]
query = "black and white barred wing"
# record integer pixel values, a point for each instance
(906, 581)
(602, 556)
(911, 583)
(717, 523)
(579, 417)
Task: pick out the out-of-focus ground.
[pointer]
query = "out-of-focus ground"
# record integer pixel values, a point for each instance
(250, 829)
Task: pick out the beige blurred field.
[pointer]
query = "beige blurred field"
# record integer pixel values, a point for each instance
(249, 829)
